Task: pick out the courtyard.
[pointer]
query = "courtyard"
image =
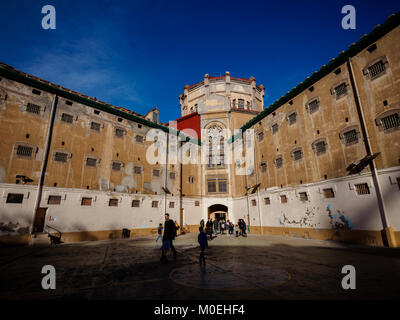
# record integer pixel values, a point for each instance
(256, 267)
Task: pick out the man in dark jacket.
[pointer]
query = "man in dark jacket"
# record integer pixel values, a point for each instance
(168, 237)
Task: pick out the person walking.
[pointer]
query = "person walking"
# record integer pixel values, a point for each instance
(215, 227)
(209, 227)
(244, 229)
(159, 231)
(230, 225)
(202, 239)
(202, 223)
(168, 238)
(223, 227)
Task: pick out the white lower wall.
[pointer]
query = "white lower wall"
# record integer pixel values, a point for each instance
(347, 210)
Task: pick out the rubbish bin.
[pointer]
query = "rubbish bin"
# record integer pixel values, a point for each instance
(126, 233)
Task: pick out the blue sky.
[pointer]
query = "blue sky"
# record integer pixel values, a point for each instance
(140, 54)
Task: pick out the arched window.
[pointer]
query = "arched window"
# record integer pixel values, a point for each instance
(216, 146)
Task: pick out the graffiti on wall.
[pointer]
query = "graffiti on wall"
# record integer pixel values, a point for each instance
(305, 221)
(339, 221)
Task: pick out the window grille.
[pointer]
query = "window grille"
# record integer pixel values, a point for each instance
(351, 137)
(362, 188)
(313, 106)
(267, 201)
(329, 193)
(292, 118)
(113, 203)
(54, 200)
(116, 166)
(283, 199)
(156, 173)
(253, 202)
(297, 155)
(320, 147)
(86, 201)
(95, 126)
(303, 196)
(33, 108)
(139, 138)
(67, 118)
(172, 205)
(15, 198)
(137, 170)
(376, 69)
(279, 162)
(136, 203)
(391, 121)
(24, 151)
(275, 128)
(91, 162)
(60, 157)
(119, 133)
(263, 166)
(341, 90)
(154, 204)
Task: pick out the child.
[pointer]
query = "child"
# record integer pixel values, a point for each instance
(159, 230)
(202, 239)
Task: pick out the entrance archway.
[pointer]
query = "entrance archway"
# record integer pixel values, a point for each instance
(218, 212)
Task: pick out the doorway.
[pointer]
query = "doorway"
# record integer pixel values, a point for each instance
(218, 212)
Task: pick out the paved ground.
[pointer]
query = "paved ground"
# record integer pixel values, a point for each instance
(257, 267)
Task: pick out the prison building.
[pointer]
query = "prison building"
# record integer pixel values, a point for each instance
(322, 162)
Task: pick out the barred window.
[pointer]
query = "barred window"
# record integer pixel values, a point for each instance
(60, 157)
(240, 103)
(54, 200)
(197, 203)
(275, 128)
(156, 172)
(283, 198)
(15, 198)
(113, 203)
(67, 118)
(320, 147)
(303, 196)
(340, 90)
(362, 188)
(119, 133)
(137, 170)
(33, 108)
(154, 204)
(222, 186)
(263, 166)
(297, 154)
(91, 162)
(116, 166)
(86, 201)
(376, 69)
(253, 202)
(292, 118)
(172, 175)
(172, 205)
(261, 136)
(139, 138)
(279, 162)
(24, 151)
(135, 203)
(267, 201)
(95, 126)
(212, 186)
(351, 137)
(391, 121)
(313, 105)
(328, 193)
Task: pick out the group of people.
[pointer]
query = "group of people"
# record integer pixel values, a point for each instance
(168, 233)
(220, 226)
